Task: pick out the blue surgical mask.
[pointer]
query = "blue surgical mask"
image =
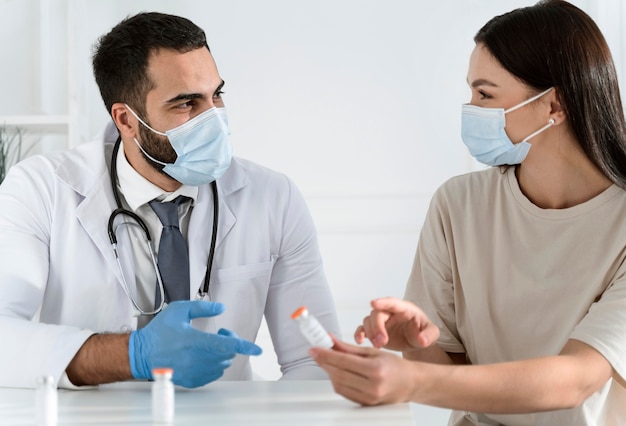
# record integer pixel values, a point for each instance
(202, 146)
(482, 131)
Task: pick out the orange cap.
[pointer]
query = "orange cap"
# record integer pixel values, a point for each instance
(298, 312)
(157, 371)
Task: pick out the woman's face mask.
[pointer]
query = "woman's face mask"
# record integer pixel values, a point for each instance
(482, 131)
(202, 147)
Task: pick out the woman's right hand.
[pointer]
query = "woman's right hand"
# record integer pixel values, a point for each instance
(397, 325)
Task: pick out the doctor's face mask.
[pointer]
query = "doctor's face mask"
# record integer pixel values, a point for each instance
(202, 147)
(482, 131)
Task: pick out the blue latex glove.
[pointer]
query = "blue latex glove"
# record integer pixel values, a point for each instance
(196, 357)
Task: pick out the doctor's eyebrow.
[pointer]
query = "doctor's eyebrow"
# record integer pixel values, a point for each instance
(185, 97)
(192, 96)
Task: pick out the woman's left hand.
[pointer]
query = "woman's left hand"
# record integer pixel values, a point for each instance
(366, 375)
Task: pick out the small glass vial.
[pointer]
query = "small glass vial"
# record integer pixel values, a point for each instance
(46, 401)
(311, 328)
(162, 395)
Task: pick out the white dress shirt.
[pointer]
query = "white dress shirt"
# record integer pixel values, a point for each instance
(135, 194)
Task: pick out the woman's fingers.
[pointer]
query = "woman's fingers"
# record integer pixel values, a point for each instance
(375, 328)
(393, 305)
(359, 334)
(351, 359)
(341, 346)
(420, 330)
(361, 374)
(397, 324)
(428, 335)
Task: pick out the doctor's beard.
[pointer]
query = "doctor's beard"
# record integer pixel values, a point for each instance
(158, 147)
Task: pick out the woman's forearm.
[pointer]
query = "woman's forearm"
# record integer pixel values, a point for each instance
(539, 384)
(434, 355)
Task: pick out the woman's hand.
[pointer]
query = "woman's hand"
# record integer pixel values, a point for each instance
(367, 376)
(397, 325)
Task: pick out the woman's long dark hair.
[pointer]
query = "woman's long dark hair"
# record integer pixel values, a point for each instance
(555, 44)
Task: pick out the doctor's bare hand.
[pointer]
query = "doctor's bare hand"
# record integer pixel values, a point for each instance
(397, 325)
(196, 357)
(368, 376)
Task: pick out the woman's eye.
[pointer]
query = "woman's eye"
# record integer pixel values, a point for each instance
(483, 95)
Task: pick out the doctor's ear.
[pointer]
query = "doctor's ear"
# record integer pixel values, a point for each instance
(124, 120)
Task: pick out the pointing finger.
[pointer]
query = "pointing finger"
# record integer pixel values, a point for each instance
(202, 308)
(230, 346)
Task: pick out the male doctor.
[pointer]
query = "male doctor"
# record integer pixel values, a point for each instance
(71, 308)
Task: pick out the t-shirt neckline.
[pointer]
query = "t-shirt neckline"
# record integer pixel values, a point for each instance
(569, 212)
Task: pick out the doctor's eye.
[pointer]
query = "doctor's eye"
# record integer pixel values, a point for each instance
(188, 104)
(218, 94)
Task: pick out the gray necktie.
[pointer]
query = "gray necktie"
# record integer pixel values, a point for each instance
(173, 258)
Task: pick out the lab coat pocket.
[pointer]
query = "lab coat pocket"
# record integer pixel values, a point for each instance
(243, 291)
(244, 273)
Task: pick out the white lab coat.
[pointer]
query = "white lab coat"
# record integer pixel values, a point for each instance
(60, 283)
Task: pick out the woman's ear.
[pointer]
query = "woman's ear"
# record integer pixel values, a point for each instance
(557, 112)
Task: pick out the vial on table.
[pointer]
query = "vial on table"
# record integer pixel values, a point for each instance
(46, 401)
(162, 395)
(311, 328)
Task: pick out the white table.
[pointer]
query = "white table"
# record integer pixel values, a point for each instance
(299, 403)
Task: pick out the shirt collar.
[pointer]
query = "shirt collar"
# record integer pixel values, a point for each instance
(138, 190)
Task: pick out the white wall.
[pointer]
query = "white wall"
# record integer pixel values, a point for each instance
(357, 100)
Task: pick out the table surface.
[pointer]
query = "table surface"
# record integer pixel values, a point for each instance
(300, 403)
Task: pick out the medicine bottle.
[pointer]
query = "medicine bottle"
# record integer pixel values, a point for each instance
(162, 395)
(46, 402)
(311, 328)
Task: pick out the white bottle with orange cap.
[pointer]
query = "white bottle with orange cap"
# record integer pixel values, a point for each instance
(311, 328)
(162, 395)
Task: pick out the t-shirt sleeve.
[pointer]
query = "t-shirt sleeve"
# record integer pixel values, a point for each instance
(430, 285)
(604, 326)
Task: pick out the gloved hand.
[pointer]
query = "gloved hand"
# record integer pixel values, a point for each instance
(196, 357)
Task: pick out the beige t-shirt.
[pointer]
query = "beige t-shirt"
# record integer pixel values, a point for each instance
(506, 280)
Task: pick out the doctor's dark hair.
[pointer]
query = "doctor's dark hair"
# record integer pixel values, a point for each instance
(120, 58)
(555, 44)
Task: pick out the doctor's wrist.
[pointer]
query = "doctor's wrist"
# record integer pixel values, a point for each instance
(103, 358)
(139, 368)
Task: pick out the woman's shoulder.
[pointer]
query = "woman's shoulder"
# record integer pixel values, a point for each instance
(477, 182)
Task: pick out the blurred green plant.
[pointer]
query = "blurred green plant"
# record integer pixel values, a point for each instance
(10, 148)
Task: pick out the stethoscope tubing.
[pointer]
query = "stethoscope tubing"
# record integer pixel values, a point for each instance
(138, 221)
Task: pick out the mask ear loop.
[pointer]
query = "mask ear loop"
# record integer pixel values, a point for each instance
(526, 102)
(143, 122)
(148, 155)
(533, 134)
(137, 142)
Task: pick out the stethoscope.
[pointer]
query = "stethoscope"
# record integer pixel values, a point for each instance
(138, 222)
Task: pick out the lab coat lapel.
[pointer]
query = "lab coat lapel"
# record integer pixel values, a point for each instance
(98, 202)
(93, 214)
(201, 224)
(233, 180)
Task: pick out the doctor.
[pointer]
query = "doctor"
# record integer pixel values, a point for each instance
(73, 307)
